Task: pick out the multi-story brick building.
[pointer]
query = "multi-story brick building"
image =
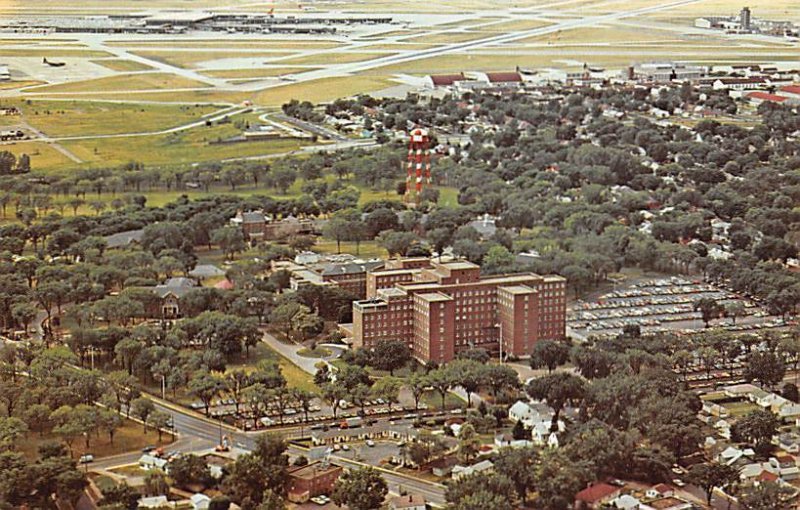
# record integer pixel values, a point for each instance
(442, 308)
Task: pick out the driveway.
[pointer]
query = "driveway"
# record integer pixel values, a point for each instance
(289, 351)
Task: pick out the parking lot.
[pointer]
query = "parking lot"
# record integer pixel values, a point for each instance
(293, 414)
(661, 305)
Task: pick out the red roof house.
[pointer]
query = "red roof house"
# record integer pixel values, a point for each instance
(504, 77)
(445, 80)
(792, 90)
(595, 496)
(765, 97)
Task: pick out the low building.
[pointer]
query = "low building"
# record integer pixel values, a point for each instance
(124, 239)
(199, 501)
(759, 97)
(312, 480)
(444, 80)
(484, 466)
(152, 462)
(153, 502)
(257, 225)
(596, 496)
(169, 295)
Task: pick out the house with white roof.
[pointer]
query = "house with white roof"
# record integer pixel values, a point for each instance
(199, 501)
(483, 466)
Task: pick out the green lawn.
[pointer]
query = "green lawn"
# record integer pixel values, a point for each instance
(129, 437)
(83, 118)
(737, 409)
(295, 377)
(434, 401)
(122, 65)
(124, 82)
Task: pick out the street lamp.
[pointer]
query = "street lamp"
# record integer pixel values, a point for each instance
(499, 325)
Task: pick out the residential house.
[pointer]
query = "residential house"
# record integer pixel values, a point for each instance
(785, 466)
(626, 502)
(312, 480)
(199, 501)
(596, 496)
(124, 239)
(169, 294)
(153, 502)
(443, 466)
(484, 466)
(152, 462)
(508, 441)
(661, 490)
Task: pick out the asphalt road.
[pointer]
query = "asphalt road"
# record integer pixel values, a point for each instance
(200, 434)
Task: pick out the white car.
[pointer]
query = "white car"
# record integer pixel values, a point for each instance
(370, 443)
(85, 459)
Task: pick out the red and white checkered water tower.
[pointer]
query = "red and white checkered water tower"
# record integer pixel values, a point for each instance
(418, 165)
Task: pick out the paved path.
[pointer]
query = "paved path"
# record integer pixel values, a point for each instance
(289, 351)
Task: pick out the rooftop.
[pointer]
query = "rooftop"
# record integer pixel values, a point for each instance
(518, 289)
(313, 470)
(596, 492)
(433, 297)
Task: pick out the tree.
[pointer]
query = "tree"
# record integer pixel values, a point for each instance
(271, 501)
(229, 239)
(253, 474)
(550, 354)
(468, 374)
(765, 367)
(468, 443)
(333, 394)
(11, 430)
(109, 421)
(120, 494)
(557, 389)
(416, 384)
(500, 377)
(519, 466)
(766, 496)
(758, 428)
(709, 309)
(360, 489)
(142, 408)
(160, 421)
(390, 355)
(388, 389)
(156, 483)
(440, 380)
(189, 470)
(711, 476)
(481, 491)
(206, 387)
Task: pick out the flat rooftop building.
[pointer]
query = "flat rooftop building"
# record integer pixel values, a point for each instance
(448, 307)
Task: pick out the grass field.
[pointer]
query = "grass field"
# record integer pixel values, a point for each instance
(188, 96)
(295, 377)
(73, 118)
(513, 25)
(265, 72)
(448, 37)
(43, 156)
(51, 53)
(326, 89)
(18, 84)
(193, 59)
(124, 82)
(128, 437)
(222, 43)
(367, 249)
(122, 65)
(186, 147)
(332, 58)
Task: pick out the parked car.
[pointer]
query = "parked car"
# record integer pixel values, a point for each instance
(86, 458)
